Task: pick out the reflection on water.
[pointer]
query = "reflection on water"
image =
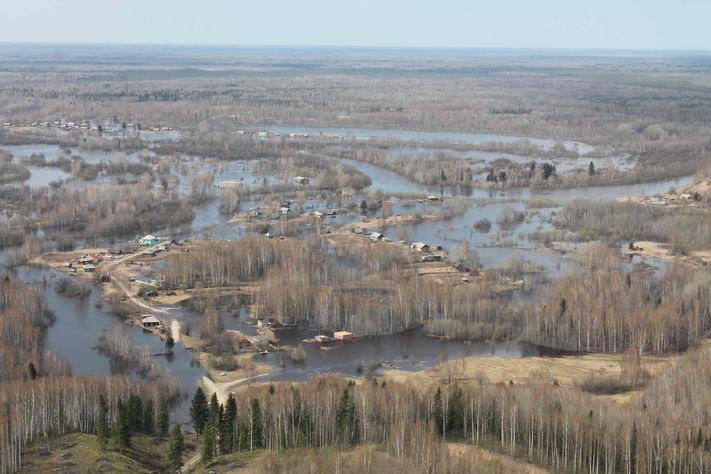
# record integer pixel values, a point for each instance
(79, 323)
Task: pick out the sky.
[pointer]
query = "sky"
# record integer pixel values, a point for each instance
(575, 24)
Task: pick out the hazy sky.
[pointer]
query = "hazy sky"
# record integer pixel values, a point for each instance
(598, 24)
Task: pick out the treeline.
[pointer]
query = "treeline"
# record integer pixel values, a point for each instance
(601, 308)
(97, 212)
(365, 288)
(47, 407)
(685, 229)
(560, 429)
(326, 173)
(24, 318)
(39, 398)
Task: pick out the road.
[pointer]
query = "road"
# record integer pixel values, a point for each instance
(109, 266)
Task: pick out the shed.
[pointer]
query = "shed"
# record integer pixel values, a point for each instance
(420, 246)
(342, 336)
(89, 268)
(433, 198)
(150, 322)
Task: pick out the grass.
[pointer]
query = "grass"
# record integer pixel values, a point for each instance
(80, 452)
(359, 459)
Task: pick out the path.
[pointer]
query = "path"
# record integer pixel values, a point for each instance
(117, 280)
(222, 389)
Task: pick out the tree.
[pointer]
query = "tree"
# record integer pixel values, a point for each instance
(231, 422)
(135, 413)
(176, 446)
(548, 170)
(208, 443)
(363, 206)
(344, 418)
(122, 433)
(214, 409)
(102, 423)
(163, 419)
(591, 169)
(199, 412)
(169, 344)
(438, 411)
(255, 424)
(32, 371)
(149, 419)
(225, 430)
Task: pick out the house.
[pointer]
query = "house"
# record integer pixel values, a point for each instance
(322, 338)
(376, 236)
(302, 180)
(431, 258)
(433, 198)
(89, 268)
(342, 336)
(146, 281)
(685, 196)
(420, 246)
(149, 240)
(229, 184)
(284, 211)
(150, 322)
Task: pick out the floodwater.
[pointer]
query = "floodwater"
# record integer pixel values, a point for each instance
(454, 137)
(411, 350)
(80, 322)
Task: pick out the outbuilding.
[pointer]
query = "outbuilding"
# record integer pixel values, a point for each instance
(149, 240)
(342, 336)
(150, 322)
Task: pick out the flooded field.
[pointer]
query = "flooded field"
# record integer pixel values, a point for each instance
(81, 322)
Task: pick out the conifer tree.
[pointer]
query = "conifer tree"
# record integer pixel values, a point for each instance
(199, 412)
(122, 433)
(102, 423)
(163, 419)
(176, 447)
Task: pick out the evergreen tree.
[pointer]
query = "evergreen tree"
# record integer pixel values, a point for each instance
(363, 206)
(176, 447)
(455, 414)
(199, 412)
(591, 169)
(214, 409)
(344, 418)
(122, 433)
(149, 419)
(223, 428)
(437, 409)
(169, 342)
(135, 413)
(32, 371)
(231, 422)
(163, 419)
(102, 423)
(255, 424)
(208, 443)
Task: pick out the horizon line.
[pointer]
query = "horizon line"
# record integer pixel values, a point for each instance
(351, 46)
